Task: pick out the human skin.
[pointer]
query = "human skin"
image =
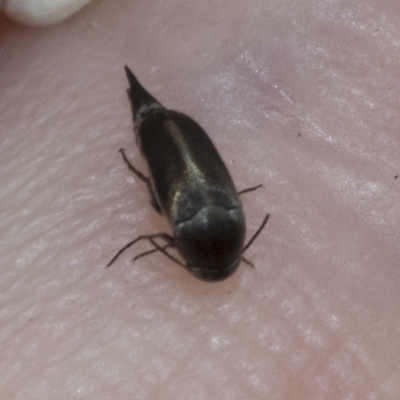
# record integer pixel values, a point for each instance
(302, 97)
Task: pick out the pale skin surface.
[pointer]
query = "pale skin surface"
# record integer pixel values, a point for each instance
(300, 96)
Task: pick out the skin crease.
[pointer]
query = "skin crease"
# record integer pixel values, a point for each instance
(300, 96)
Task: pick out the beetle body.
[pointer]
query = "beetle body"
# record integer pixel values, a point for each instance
(190, 185)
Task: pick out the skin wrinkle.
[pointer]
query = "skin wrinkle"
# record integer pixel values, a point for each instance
(299, 96)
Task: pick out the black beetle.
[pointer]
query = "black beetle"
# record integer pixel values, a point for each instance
(189, 184)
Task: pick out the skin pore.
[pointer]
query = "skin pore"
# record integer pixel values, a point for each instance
(299, 96)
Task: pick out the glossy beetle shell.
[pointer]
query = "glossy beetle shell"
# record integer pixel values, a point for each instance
(190, 185)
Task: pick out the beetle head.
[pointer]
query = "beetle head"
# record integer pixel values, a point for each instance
(212, 242)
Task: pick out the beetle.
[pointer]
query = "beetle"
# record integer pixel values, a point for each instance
(190, 185)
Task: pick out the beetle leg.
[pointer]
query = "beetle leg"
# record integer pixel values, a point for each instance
(143, 178)
(246, 261)
(250, 189)
(133, 169)
(146, 253)
(157, 247)
(165, 252)
(142, 237)
(261, 227)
